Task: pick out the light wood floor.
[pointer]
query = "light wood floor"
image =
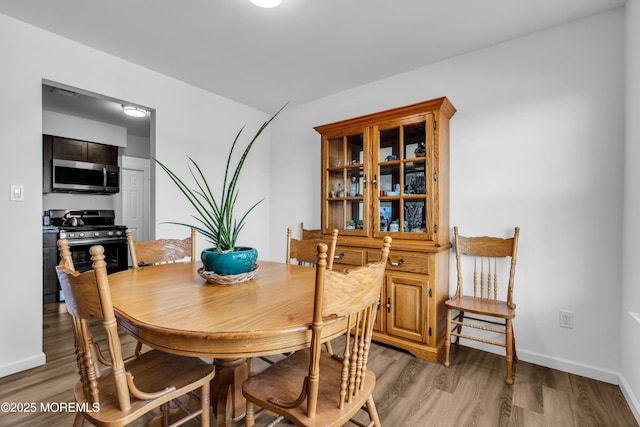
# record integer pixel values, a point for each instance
(409, 391)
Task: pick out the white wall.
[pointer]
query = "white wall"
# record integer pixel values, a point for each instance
(630, 326)
(537, 142)
(189, 121)
(137, 146)
(68, 126)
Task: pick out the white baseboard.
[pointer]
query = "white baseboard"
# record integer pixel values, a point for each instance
(570, 366)
(23, 364)
(632, 399)
(588, 371)
(566, 365)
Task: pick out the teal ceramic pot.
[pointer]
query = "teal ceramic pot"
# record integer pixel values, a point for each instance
(240, 260)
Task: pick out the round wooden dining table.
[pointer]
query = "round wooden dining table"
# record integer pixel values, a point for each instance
(170, 307)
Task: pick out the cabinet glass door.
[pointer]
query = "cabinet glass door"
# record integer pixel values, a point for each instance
(345, 184)
(404, 179)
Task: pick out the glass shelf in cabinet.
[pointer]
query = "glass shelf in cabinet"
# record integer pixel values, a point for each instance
(414, 165)
(336, 172)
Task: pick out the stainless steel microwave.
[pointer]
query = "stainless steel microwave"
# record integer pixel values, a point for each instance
(72, 176)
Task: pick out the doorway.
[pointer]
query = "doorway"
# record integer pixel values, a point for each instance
(135, 191)
(101, 119)
(70, 112)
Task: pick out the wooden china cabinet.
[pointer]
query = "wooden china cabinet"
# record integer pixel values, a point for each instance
(388, 174)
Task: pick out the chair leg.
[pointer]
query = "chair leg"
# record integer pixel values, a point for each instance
(459, 327)
(373, 412)
(329, 348)
(138, 348)
(447, 342)
(164, 408)
(509, 348)
(78, 421)
(513, 334)
(205, 417)
(249, 418)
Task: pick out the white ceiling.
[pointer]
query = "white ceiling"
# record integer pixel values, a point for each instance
(93, 107)
(300, 51)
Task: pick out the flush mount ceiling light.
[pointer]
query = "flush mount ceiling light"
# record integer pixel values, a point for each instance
(266, 3)
(134, 111)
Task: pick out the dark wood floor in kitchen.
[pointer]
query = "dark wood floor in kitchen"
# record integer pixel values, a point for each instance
(409, 391)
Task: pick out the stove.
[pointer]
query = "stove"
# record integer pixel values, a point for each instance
(85, 228)
(94, 217)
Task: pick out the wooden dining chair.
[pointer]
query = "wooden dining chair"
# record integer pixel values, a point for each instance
(307, 234)
(66, 259)
(304, 251)
(484, 256)
(161, 251)
(313, 387)
(126, 389)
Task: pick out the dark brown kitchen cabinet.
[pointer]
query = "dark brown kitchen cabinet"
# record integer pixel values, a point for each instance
(82, 151)
(68, 149)
(100, 153)
(49, 262)
(55, 147)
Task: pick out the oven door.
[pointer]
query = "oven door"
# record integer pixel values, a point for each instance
(115, 254)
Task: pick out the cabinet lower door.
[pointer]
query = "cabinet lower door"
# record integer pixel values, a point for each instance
(406, 306)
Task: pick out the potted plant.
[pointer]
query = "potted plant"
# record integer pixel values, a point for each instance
(216, 217)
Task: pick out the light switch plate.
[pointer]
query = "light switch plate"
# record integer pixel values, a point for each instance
(17, 193)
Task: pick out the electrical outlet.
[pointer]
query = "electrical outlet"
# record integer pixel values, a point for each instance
(566, 319)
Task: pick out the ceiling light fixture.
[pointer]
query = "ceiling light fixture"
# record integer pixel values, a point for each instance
(134, 111)
(266, 3)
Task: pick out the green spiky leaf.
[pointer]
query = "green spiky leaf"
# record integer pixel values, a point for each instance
(216, 219)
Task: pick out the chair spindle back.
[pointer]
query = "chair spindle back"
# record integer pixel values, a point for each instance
(353, 294)
(486, 253)
(87, 295)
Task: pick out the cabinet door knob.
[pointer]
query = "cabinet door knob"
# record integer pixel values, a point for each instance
(395, 264)
(341, 255)
(388, 305)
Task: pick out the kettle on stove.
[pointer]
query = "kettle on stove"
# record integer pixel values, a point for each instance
(72, 221)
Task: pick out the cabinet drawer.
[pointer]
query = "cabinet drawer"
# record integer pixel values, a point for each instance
(411, 262)
(349, 256)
